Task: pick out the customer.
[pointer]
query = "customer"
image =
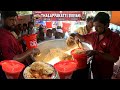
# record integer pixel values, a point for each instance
(40, 35)
(49, 35)
(87, 28)
(31, 29)
(24, 30)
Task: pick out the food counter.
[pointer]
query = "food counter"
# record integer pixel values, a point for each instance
(46, 63)
(52, 50)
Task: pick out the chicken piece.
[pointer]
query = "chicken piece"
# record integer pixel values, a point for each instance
(36, 66)
(36, 75)
(65, 57)
(45, 77)
(48, 70)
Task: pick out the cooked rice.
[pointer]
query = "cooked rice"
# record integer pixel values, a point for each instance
(79, 51)
(27, 73)
(65, 57)
(36, 66)
(38, 70)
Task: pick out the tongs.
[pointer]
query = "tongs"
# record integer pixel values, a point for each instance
(79, 43)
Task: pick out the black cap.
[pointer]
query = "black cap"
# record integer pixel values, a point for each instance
(6, 14)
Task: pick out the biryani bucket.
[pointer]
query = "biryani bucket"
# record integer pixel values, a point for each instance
(65, 68)
(80, 58)
(12, 68)
(31, 41)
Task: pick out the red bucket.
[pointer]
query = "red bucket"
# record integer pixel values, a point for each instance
(80, 58)
(65, 68)
(12, 68)
(31, 41)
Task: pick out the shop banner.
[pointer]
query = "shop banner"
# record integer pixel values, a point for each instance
(58, 15)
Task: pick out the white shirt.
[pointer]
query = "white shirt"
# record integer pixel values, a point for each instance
(24, 32)
(14, 34)
(33, 31)
(47, 38)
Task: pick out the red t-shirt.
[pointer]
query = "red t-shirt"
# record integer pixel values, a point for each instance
(9, 46)
(109, 44)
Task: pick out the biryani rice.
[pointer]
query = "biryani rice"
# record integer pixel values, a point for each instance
(38, 70)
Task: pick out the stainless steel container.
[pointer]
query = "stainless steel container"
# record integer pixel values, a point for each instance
(55, 74)
(57, 43)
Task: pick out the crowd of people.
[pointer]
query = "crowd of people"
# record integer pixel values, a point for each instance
(42, 32)
(49, 34)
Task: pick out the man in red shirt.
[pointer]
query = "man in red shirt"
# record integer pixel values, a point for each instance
(105, 43)
(10, 48)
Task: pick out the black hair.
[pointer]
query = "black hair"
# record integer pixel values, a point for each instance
(49, 30)
(30, 23)
(6, 14)
(73, 34)
(102, 17)
(58, 27)
(24, 24)
(89, 18)
(53, 29)
(40, 28)
(19, 24)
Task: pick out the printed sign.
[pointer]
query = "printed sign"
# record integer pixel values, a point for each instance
(58, 15)
(33, 43)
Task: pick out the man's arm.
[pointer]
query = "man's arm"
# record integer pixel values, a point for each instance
(88, 38)
(24, 55)
(105, 56)
(74, 37)
(81, 37)
(9, 53)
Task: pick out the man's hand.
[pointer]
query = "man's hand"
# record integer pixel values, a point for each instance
(23, 56)
(80, 37)
(36, 51)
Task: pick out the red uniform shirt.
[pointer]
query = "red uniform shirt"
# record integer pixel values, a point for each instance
(109, 44)
(9, 46)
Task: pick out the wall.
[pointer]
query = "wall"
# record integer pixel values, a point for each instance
(115, 19)
(24, 19)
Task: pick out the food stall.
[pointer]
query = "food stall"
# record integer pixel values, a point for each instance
(53, 52)
(52, 19)
(53, 49)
